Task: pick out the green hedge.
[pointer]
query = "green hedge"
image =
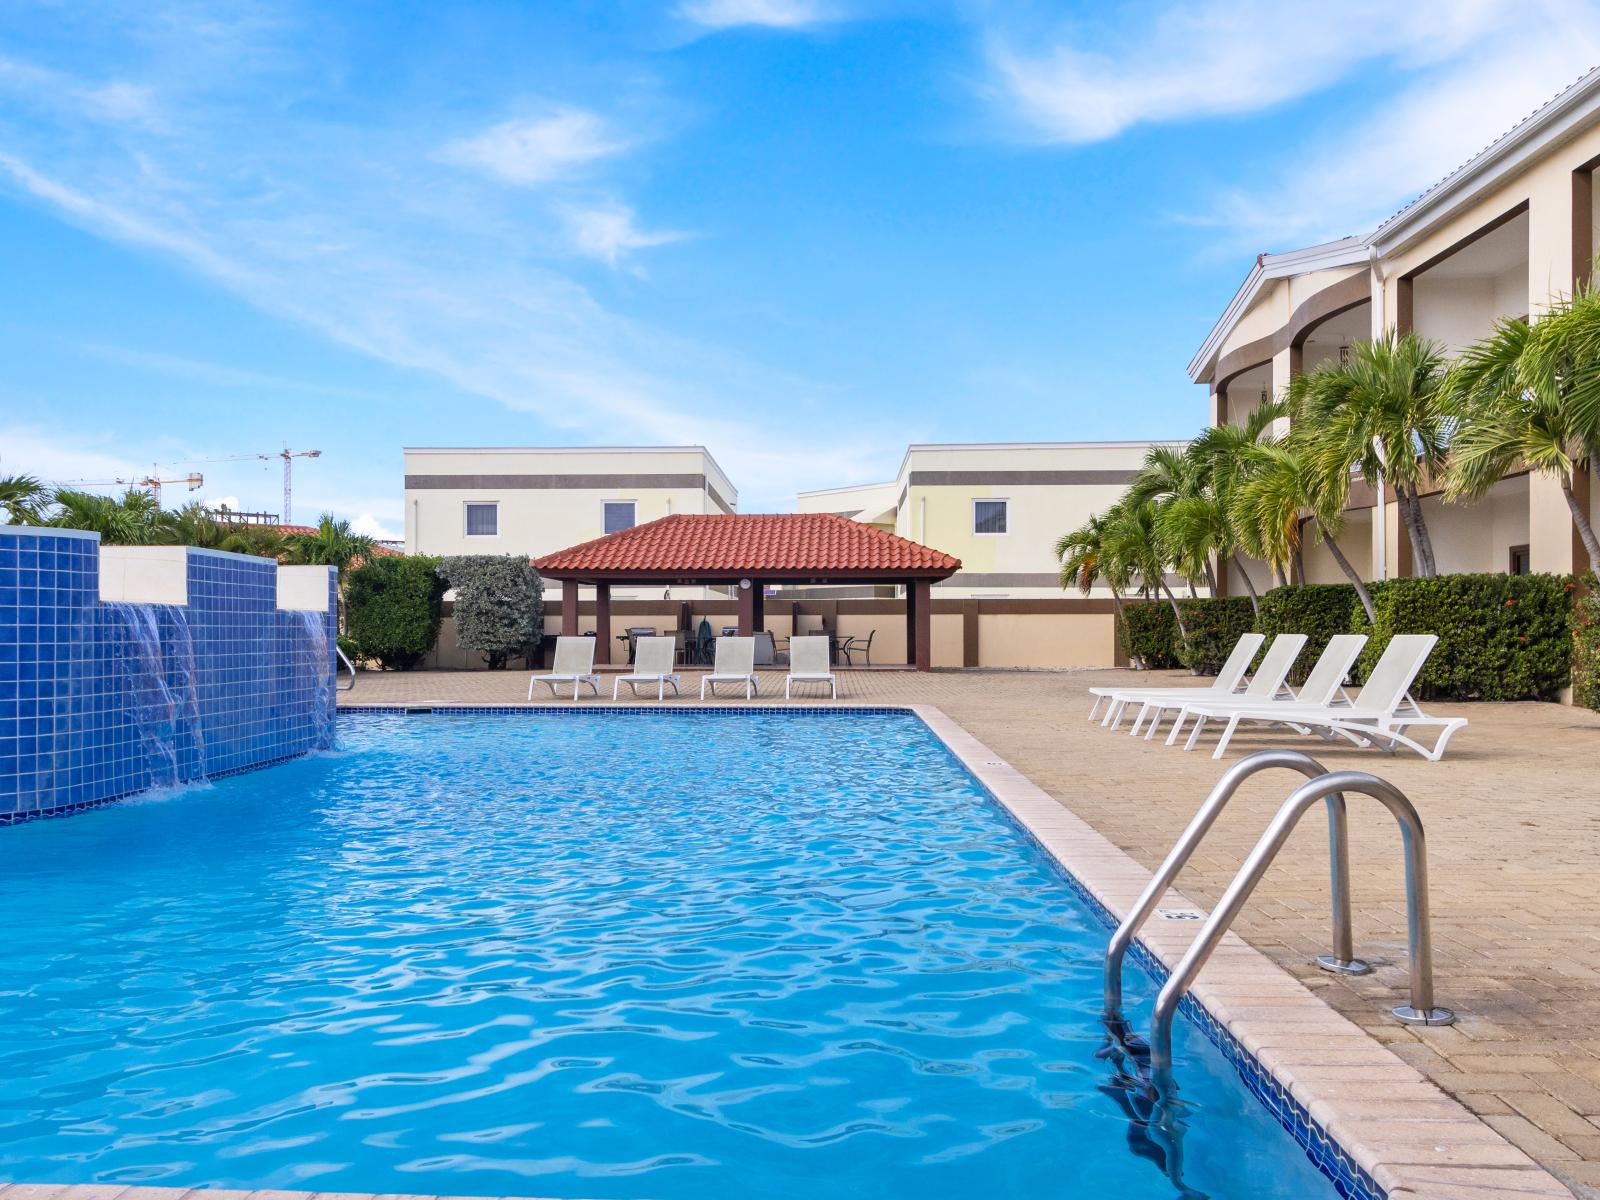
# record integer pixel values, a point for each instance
(1214, 626)
(1318, 610)
(1501, 637)
(393, 607)
(1586, 646)
(1149, 633)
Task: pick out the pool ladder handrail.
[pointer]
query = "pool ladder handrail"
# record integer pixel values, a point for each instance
(1342, 960)
(1421, 1010)
(350, 666)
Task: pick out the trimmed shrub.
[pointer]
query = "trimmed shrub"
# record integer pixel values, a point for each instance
(393, 608)
(1586, 645)
(1214, 625)
(1501, 637)
(1150, 634)
(499, 605)
(1318, 610)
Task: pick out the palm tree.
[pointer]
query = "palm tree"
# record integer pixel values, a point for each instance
(1519, 396)
(1084, 560)
(331, 544)
(1271, 506)
(134, 520)
(1224, 456)
(23, 500)
(264, 541)
(1383, 412)
(192, 525)
(1131, 540)
(1168, 476)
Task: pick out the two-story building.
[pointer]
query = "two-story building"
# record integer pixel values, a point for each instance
(1495, 239)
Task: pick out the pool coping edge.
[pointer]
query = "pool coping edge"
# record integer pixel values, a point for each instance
(1413, 1139)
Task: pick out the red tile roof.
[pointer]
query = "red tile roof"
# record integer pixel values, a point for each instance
(763, 546)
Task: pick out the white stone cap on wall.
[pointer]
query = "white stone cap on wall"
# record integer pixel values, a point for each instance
(145, 574)
(303, 589)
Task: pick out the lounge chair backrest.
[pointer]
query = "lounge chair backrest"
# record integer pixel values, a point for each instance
(1395, 671)
(766, 648)
(735, 656)
(1337, 657)
(574, 656)
(1244, 652)
(1275, 665)
(655, 656)
(808, 656)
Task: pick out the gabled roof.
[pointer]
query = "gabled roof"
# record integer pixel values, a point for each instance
(760, 546)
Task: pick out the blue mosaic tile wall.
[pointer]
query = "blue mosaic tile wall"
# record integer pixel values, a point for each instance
(100, 700)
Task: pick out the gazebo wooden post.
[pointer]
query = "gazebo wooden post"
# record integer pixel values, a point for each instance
(602, 623)
(919, 624)
(747, 610)
(758, 606)
(569, 608)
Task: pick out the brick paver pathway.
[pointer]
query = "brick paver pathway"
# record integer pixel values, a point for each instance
(1513, 825)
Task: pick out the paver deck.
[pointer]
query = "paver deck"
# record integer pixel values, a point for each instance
(1513, 824)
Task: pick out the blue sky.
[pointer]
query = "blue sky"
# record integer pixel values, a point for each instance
(802, 232)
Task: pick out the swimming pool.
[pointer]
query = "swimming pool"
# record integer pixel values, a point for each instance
(586, 954)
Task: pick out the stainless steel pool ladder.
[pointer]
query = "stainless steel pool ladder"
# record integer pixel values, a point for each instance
(349, 666)
(1327, 786)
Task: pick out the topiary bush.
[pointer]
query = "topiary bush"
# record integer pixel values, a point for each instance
(1214, 625)
(1586, 644)
(499, 605)
(1149, 634)
(393, 608)
(1318, 610)
(1501, 637)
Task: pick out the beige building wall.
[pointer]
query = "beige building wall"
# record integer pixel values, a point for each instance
(550, 498)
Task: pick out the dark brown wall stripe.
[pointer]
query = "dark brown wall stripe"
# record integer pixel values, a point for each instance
(1014, 478)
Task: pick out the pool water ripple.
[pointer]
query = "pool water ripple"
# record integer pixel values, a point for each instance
(676, 955)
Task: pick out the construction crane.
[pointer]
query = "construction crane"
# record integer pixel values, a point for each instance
(288, 457)
(153, 481)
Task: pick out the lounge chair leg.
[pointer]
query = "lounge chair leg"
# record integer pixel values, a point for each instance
(1155, 723)
(1177, 727)
(1093, 708)
(1227, 734)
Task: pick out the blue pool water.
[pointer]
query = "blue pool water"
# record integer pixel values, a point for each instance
(669, 955)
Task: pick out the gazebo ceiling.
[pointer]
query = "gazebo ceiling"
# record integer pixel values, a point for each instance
(771, 547)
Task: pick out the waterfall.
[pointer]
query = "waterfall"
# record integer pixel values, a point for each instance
(313, 663)
(164, 703)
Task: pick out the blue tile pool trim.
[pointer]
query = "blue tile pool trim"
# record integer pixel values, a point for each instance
(1349, 1179)
(100, 701)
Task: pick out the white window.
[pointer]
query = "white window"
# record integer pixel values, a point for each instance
(618, 515)
(989, 516)
(483, 520)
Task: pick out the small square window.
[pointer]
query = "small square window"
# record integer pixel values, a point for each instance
(618, 515)
(483, 520)
(989, 516)
(1521, 561)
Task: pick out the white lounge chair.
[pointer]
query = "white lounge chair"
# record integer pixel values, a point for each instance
(1227, 682)
(1266, 685)
(1381, 712)
(735, 663)
(808, 663)
(1323, 688)
(653, 658)
(574, 664)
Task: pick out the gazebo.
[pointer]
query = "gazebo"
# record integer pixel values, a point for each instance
(750, 551)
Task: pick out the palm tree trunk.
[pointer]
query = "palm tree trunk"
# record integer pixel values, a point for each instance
(1417, 528)
(1211, 577)
(1193, 595)
(1177, 614)
(1581, 520)
(1250, 586)
(1279, 579)
(1350, 573)
(1299, 565)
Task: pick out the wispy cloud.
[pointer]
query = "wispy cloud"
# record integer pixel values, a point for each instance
(775, 14)
(609, 232)
(367, 237)
(538, 150)
(1466, 72)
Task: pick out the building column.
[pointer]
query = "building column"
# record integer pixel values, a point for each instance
(569, 609)
(919, 624)
(602, 623)
(747, 610)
